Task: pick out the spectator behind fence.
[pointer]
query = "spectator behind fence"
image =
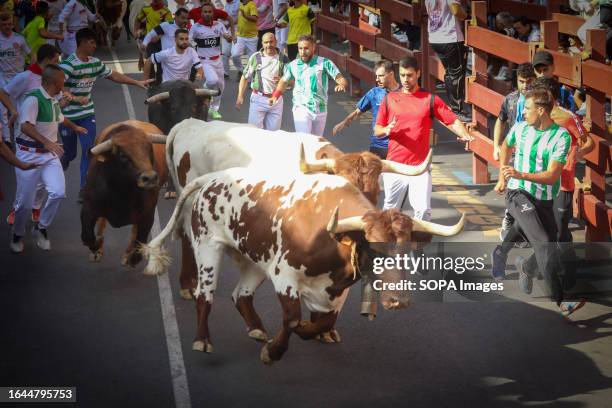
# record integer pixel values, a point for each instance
(300, 19)
(446, 39)
(526, 30)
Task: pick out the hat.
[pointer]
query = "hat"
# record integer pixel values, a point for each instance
(542, 58)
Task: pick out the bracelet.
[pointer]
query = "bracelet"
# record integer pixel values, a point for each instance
(277, 94)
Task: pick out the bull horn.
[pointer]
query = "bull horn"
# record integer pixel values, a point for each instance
(317, 165)
(102, 147)
(405, 169)
(437, 229)
(207, 92)
(155, 138)
(157, 98)
(335, 226)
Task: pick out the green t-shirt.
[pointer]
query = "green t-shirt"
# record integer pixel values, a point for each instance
(311, 82)
(534, 150)
(32, 34)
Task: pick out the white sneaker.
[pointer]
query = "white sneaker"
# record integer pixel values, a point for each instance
(43, 240)
(16, 247)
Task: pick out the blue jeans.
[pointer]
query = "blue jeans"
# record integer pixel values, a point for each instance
(69, 138)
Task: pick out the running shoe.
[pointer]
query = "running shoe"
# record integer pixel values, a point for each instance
(214, 115)
(567, 308)
(525, 281)
(16, 244)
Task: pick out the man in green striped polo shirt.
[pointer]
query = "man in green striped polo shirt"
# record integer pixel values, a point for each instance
(82, 69)
(311, 75)
(541, 149)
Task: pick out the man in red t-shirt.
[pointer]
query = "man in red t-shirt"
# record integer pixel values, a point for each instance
(195, 14)
(405, 117)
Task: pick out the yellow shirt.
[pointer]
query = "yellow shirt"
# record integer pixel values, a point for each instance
(7, 7)
(153, 17)
(247, 28)
(299, 20)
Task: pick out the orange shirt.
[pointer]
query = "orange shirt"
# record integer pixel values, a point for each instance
(573, 124)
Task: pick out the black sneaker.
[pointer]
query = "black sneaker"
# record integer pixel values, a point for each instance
(225, 76)
(80, 197)
(498, 263)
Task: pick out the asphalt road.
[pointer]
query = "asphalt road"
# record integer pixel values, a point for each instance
(99, 327)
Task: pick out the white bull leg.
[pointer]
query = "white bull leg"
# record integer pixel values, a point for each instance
(251, 277)
(208, 261)
(318, 318)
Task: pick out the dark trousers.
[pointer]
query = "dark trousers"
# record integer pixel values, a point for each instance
(454, 59)
(260, 35)
(379, 151)
(535, 219)
(563, 209)
(69, 139)
(292, 51)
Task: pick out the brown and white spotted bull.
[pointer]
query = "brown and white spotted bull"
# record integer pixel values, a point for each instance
(123, 182)
(309, 234)
(110, 23)
(195, 148)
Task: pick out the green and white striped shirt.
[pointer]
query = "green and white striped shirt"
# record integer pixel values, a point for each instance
(80, 79)
(42, 111)
(311, 82)
(534, 150)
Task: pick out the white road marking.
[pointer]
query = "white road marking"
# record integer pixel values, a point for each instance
(178, 372)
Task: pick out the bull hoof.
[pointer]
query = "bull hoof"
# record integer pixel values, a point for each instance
(203, 346)
(258, 335)
(331, 336)
(264, 356)
(95, 256)
(186, 294)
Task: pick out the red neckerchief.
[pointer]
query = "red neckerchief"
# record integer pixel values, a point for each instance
(35, 68)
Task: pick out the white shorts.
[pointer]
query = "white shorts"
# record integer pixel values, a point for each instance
(307, 122)
(418, 189)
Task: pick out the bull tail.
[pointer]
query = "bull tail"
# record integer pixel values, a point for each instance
(157, 257)
(170, 156)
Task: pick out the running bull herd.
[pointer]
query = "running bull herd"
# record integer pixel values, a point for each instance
(290, 207)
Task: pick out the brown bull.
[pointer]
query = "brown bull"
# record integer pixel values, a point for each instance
(110, 23)
(123, 183)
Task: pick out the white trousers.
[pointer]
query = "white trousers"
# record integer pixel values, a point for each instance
(419, 193)
(4, 130)
(68, 45)
(244, 45)
(308, 122)
(226, 47)
(281, 38)
(213, 75)
(51, 174)
(264, 116)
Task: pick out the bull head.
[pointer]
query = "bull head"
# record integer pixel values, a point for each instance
(108, 144)
(328, 165)
(336, 226)
(162, 96)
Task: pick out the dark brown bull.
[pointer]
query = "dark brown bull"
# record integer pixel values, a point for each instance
(123, 183)
(109, 25)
